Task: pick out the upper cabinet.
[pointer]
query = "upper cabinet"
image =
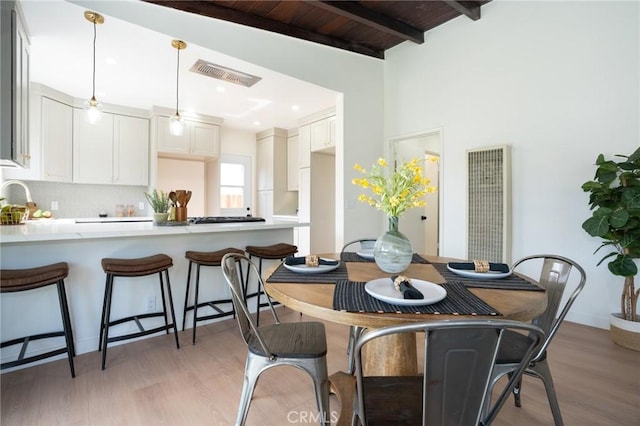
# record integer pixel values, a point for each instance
(319, 132)
(114, 150)
(271, 163)
(199, 139)
(14, 84)
(293, 161)
(56, 135)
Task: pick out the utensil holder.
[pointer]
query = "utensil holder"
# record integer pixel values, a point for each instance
(181, 214)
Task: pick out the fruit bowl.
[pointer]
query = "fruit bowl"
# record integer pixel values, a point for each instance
(13, 215)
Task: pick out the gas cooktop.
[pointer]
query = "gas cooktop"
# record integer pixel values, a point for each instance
(224, 219)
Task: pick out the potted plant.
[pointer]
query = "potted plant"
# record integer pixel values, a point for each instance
(615, 201)
(159, 201)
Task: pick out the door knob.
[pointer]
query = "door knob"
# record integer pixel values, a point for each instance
(423, 218)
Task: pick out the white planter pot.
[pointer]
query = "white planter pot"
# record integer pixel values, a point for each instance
(625, 333)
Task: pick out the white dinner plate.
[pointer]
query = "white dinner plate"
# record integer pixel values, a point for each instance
(489, 275)
(383, 289)
(304, 269)
(366, 253)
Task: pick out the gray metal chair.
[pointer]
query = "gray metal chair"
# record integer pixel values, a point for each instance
(300, 344)
(554, 276)
(459, 356)
(354, 331)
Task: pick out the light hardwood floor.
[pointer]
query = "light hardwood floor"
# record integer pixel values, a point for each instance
(150, 382)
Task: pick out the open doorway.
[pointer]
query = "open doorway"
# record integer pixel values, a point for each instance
(422, 225)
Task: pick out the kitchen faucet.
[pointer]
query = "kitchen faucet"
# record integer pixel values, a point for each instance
(20, 183)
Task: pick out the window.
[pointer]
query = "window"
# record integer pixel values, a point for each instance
(235, 185)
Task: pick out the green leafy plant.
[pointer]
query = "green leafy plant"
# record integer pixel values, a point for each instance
(615, 201)
(159, 200)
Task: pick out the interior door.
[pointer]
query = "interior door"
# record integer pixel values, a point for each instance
(422, 225)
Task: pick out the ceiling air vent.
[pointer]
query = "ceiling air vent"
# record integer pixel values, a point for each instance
(222, 73)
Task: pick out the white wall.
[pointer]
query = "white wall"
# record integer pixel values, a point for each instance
(559, 82)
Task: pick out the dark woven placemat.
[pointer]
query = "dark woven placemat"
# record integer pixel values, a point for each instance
(283, 275)
(512, 282)
(349, 256)
(351, 296)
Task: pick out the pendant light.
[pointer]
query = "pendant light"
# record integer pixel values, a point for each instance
(176, 125)
(92, 106)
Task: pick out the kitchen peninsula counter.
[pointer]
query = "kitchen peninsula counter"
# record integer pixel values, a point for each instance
(83, 245)
(68, 229)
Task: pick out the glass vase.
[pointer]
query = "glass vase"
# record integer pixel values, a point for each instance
(392, 251)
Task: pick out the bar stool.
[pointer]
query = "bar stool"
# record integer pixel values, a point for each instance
(205, 258)
(273, 252)
(14, 280)
(158, 263)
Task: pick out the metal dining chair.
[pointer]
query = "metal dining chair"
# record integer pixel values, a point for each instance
(354, 331)
(554, 276)
(300, 344)
(459, 356)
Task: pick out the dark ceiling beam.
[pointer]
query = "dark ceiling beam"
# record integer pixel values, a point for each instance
(352, 10)
(468, 8)
(216, 11)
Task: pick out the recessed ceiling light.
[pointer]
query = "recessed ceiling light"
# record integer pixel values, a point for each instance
(295, 107)
(111, 61)
(221, 89)
(256, 123)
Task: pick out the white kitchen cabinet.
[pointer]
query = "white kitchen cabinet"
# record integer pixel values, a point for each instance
(56, 135)
(130, 151)
(304, 211)
(198, 139)
(293, 163)
(92, 148)
(50, 141)
(14, 74)
(304, 148)
(114, 150)
(265, 204)
(323, 135)
(265, 162)
(271, 173)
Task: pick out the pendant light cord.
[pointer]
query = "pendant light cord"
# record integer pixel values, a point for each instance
(94, 59)
(177, 79)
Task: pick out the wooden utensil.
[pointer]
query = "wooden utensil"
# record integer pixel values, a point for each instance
(173, 197)
(187, 198)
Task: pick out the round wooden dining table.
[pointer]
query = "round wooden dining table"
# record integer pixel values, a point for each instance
(395, 355)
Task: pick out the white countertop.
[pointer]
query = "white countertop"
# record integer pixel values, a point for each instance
(67, 229)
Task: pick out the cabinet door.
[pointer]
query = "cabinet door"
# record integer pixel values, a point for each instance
(293, 164)
(304, 195)
(205, 139)
(130, 151)
(319, 135)
(92, 148)
(170, 143)
(265, 205)
(21, 90)
(57, 140)
(264, 163)
(332, 131)
(304, 148)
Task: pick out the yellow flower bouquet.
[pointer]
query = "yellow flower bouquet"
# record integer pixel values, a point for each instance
(403, 189)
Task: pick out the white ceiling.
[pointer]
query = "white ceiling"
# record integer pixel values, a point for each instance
(144, 72)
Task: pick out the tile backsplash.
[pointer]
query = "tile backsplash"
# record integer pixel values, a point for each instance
(79, 200)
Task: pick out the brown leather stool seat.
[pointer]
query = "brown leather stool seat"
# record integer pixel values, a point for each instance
(205, 258)
(138, 267)
(15, 280)
(273, 252)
